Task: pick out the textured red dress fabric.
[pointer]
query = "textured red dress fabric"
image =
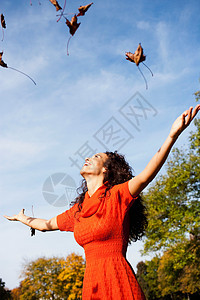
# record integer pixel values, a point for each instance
(102, 229)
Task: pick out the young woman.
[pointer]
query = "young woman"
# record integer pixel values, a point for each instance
(107, 214)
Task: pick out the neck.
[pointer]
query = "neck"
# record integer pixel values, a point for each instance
(93, 183)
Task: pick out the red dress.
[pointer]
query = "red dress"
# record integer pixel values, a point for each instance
(102, 229)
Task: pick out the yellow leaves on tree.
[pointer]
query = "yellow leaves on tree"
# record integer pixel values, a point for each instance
(179, 268)
(72, 276)
(40, 277)
(52, 278)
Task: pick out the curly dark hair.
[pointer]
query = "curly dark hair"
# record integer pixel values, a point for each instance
(119, 171)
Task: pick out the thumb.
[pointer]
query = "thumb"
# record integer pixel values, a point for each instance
(22, 211)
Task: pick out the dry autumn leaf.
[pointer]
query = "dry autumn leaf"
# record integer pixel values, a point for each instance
(4, 65)
(3, 23)
(73, 25)
(55, 3)
(83, 9)
(137, 58)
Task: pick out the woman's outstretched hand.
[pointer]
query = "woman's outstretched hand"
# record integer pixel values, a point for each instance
(36, 223)
(183, 121)
(16, 217)
(139, 182)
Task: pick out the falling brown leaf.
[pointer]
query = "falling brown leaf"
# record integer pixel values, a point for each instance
(73, 25)
(2, 63)
(55, 3)
(136, 57)
(3, 23)
(83, 9)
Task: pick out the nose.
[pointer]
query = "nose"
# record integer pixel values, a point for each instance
(87, 159)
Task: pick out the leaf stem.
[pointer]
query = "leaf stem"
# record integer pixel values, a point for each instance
(62, 12)
(148, 68)
(23, 74)
(68, 45)
(144, 78)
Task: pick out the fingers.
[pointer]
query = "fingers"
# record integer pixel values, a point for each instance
(190, 114)
(22, 211)
(15, 217)
(10, 218)
(195, 111)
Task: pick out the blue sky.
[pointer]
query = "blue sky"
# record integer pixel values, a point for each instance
(79, 98)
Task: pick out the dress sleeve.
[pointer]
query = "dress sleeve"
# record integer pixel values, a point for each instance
(125, 198)
(65, 220)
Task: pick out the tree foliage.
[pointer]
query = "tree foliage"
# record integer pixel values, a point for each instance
(148, 278)
(4, 293)
(174, 226)
(176, 275)
(51, 278)
(41, 279)
(197, 95)
(173, 201)
(72, 276)
(179, 269)
(15, 293)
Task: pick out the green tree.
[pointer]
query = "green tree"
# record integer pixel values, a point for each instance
(41, 279)
(173, 201)
(147, 275)
(52, 278)
(174, 222)
(72, 276)
(142, 277)
(197, 95)
(179, 270)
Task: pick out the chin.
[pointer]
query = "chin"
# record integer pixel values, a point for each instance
(82, 172)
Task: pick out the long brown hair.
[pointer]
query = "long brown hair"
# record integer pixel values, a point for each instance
(119, 171)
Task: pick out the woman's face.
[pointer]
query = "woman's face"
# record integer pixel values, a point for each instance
(94, 165)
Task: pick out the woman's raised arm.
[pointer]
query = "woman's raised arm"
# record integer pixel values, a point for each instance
(36, 223)
(139, 182)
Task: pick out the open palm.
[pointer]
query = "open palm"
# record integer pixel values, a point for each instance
(183, 121)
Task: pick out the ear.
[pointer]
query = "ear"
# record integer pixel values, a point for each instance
(104, 170)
